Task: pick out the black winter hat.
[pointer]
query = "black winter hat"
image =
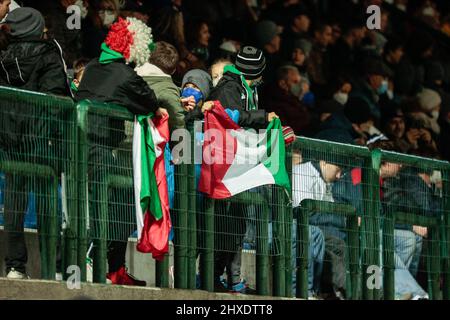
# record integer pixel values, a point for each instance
(251, 62)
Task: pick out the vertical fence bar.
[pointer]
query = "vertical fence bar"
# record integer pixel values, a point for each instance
(446, 234)
(353, 240)
(435, 264)
(162, 272)
(181, 236)
(288, 257)
(262, 249)
(279, 274)
(388, 255)
(82, 110)
(192, 222)
(371, 198)
(100, 243)
(53, 228)
(302, 253)
(288, 223)
(70, 234)
(207, 253)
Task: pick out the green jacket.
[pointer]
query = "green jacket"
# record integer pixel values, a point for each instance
(167, 93)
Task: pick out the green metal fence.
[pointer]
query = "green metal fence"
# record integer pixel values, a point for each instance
(38, 153)
(84, 149)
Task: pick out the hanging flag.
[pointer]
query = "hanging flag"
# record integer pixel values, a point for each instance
(150, 185)
(237, 160)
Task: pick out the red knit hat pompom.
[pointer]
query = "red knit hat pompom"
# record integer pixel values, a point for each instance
(119, 38)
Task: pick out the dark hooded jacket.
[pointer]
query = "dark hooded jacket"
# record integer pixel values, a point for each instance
(35, 65)
(337, 128)
(231, 93)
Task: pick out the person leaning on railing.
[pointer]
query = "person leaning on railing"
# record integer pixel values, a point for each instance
(30, 63)
(112, 79)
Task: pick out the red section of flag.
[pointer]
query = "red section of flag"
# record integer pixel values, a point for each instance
(155, 233)
(221, 149)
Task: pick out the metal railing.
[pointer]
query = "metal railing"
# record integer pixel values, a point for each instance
(86, 148)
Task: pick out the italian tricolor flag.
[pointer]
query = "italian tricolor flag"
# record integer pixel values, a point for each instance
(237, 160)
(150, 185)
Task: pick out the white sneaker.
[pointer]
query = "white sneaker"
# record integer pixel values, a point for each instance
(421, 297)
(16, 275)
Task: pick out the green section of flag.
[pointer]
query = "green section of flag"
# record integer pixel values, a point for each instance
(276, 154)
(149, 197)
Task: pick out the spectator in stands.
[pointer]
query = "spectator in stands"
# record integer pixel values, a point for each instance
(283, 98)
(328, 107)
(430, 106)
(418, 136)
(393, 54)
(237, 89)
(406, 245)
(78, 68)
(345, 52)
(313, 180)
(435, 80)
(101, 15)
(395, 128)
(111, 79)
(157, 73)
(197, 38)
(195, 91)
(297, 29)
(136, 9)
(341, 90)
(373, 85)
(300, 55)
(217, 69)
(169, 27)
(319, 68)
(69, 38)
(29, 62)
(33, 64)
(267, 35)
(354, 124)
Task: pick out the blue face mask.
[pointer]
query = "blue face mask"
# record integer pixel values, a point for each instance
(191, 92)
(309, 99)
(383, 88)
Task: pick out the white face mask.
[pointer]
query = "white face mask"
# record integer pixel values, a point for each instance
(435, 115)
(108, 18)
(428, 11)
(401, 7)
(341, 97)
(83, 8)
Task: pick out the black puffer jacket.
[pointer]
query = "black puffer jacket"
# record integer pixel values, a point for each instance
(116, 83)
(34, 65)
(232, 95)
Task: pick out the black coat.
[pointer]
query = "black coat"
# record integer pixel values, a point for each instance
(34, 65)
(231, 93)
(116, 83)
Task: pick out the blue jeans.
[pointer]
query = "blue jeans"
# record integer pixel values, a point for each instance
(406, 255)
(316, 252)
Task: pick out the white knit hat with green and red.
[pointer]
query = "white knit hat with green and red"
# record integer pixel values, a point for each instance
(128, 39)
